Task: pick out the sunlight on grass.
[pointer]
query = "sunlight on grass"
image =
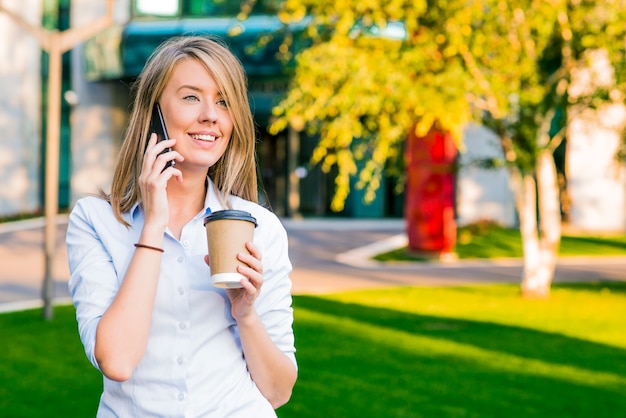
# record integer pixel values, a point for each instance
(442, 349)
(596, 307)
(492, 241)
(475, 351)
(418, 352)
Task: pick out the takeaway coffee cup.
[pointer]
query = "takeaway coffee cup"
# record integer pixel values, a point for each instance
(227, 233)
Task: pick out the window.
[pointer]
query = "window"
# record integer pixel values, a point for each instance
(202, 8)
(157, 8)
(210, 8)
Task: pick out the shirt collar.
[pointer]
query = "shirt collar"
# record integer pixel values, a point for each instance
(210, 201)
(131, 214)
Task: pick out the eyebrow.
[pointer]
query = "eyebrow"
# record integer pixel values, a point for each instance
(187, 86)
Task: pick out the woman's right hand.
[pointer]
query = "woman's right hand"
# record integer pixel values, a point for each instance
(124, 329)
(153, 180)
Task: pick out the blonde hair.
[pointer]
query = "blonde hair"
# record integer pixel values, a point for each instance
(235, 172)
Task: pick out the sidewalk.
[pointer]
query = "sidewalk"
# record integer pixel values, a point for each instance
(329, 255)
(22, 264)
(22, 259)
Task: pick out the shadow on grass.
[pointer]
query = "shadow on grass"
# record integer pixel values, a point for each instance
(500, 242)
(617, 243)
(611, 286)
(360, 361)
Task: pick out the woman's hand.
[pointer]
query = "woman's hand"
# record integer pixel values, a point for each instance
(272, 371)
(242, 299)
(153, 179)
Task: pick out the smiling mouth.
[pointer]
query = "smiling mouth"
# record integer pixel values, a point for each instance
(208, 138)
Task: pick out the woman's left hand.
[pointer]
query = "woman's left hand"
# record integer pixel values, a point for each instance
(242, 299)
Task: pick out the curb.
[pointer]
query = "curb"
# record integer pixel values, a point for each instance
(16, 226)
(25, 305)
(361, 257)
(343, 224)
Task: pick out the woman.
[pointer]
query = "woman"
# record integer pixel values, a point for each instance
(167, 342)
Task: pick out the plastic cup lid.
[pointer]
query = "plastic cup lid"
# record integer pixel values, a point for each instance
(231, 214)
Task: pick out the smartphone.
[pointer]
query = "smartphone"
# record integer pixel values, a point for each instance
(157, 124)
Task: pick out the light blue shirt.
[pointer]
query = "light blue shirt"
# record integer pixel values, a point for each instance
(193, 365)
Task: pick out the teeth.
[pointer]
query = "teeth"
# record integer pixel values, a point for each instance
(209, 138)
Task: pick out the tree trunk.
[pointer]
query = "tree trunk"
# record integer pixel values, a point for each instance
(540, 245)
(526, 202)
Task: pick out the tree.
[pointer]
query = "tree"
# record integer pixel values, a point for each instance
(523, 55)
(374, 70)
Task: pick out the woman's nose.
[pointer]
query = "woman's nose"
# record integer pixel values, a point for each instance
(209, 113)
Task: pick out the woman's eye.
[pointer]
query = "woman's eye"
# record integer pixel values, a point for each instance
(222, 102)
(190, 98)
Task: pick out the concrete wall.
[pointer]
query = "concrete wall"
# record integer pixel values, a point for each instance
(20, 107)
(100, 111)
(483, 194)
(596, 180)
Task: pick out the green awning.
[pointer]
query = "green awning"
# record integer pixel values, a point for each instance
(121, 52)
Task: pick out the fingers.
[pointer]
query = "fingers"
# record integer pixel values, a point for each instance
(156, 156)
(254, 251)
(252, 259)
(243, 299)
(153, 179)
(253, 268)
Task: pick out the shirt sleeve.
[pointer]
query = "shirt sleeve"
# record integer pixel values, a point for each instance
(93, 280)
(274, 303)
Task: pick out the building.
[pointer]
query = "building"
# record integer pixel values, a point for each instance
(103, 68)
(20, 109)
(97, 76)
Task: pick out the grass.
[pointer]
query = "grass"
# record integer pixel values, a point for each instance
(462, 352)
(474, 351)
(492, 241)
(44, 371)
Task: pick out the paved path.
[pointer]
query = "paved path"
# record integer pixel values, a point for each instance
(22, 264)
(333, 255)
(328, 255)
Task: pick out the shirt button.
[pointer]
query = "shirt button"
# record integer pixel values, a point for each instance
(182, 326)
(181, 291)
(185, 243)
(181, 396)
(180, 360)
(180, 259)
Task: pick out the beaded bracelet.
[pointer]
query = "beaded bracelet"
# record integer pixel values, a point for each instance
(150, 247)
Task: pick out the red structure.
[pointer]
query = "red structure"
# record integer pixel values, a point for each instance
(429, 201)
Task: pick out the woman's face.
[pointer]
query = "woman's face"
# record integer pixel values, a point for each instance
(196, 115)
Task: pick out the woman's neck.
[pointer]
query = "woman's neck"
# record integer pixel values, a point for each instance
(185, 200)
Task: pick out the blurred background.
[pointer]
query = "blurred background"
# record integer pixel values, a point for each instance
(449, 172)
(481, 129)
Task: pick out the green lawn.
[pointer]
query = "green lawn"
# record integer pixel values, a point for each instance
(490, 241)
(479, 351)
(475, 351)
(44, 371)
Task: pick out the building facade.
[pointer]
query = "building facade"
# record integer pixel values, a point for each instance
(105, 66)
(96, 102)
(20, 110)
